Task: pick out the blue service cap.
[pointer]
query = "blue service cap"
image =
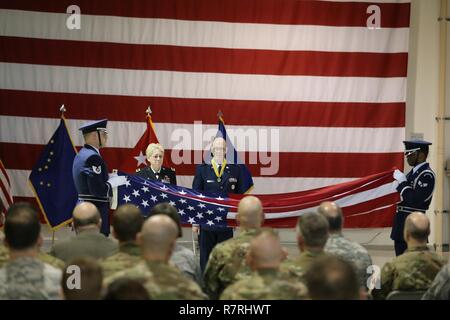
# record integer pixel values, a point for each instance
(415, 145)
(94, 126)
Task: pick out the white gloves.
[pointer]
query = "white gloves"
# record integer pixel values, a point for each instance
(116, 181)
(399, 176)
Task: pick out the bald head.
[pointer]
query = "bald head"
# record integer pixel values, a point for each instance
(417, 228)
(265, 251)
(86, 215)
(158, 236)
(250, 212)
(333, 213)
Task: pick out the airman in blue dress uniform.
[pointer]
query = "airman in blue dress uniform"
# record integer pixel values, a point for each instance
(416, 189)
(222, 178)
(90, 173)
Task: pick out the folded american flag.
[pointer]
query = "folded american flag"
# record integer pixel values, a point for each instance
(366, 202)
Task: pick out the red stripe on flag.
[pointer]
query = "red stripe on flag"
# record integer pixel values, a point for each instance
(173, 110)
(394, 15)
(193, 59)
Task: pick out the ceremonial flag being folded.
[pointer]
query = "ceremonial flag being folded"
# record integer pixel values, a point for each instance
(366, 202)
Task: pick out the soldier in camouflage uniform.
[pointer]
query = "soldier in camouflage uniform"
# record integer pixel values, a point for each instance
(182, 258)
(220, 270)
(440, 288)
(42, 256)
(266, 282)
(127, 223)
(24, 276)
(312, 235)
(161, 280)
(417, 267)
(337, 245)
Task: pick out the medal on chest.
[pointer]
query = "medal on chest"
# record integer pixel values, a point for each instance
(216, 170)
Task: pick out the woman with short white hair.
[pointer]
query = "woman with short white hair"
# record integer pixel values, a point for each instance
(156, 171)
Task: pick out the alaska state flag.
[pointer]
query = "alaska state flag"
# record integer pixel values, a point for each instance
(51, 178)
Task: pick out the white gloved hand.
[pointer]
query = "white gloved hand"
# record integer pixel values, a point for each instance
(117, 181)
(399, 176)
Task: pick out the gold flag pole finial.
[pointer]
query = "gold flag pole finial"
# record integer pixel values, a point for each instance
(148, 111)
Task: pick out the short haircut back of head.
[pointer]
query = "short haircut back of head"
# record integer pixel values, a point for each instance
(22, 226)
(127, 222)
(332, 278)
(314, 229)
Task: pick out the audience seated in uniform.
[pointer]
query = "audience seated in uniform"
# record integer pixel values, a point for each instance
(264, 257)
(88, 240)
(162, 280)
(127, 223)
(338, 245)
(228, 258)
(416, 268)
(24, 276)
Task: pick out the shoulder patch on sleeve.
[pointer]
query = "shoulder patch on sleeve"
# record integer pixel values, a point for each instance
(97, 169)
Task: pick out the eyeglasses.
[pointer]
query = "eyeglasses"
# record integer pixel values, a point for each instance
(157, 156)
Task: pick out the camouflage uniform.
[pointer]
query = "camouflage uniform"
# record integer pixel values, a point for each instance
(219, 273)
(185, 260)
(440, 288)
(30, 279)
(297, 267)
(352, 252)
(265, 284)
(162, 281)
(129, 256)
(42, 256)
(413, 270)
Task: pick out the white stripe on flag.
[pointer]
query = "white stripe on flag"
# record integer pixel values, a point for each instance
(46, 25)
(38, 131)
(175, 84)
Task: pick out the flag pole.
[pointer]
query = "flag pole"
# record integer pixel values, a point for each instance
(62, 109)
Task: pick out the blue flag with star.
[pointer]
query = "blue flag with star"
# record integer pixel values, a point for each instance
(51, 179)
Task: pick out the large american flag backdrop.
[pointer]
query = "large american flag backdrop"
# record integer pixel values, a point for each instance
(333, 88)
